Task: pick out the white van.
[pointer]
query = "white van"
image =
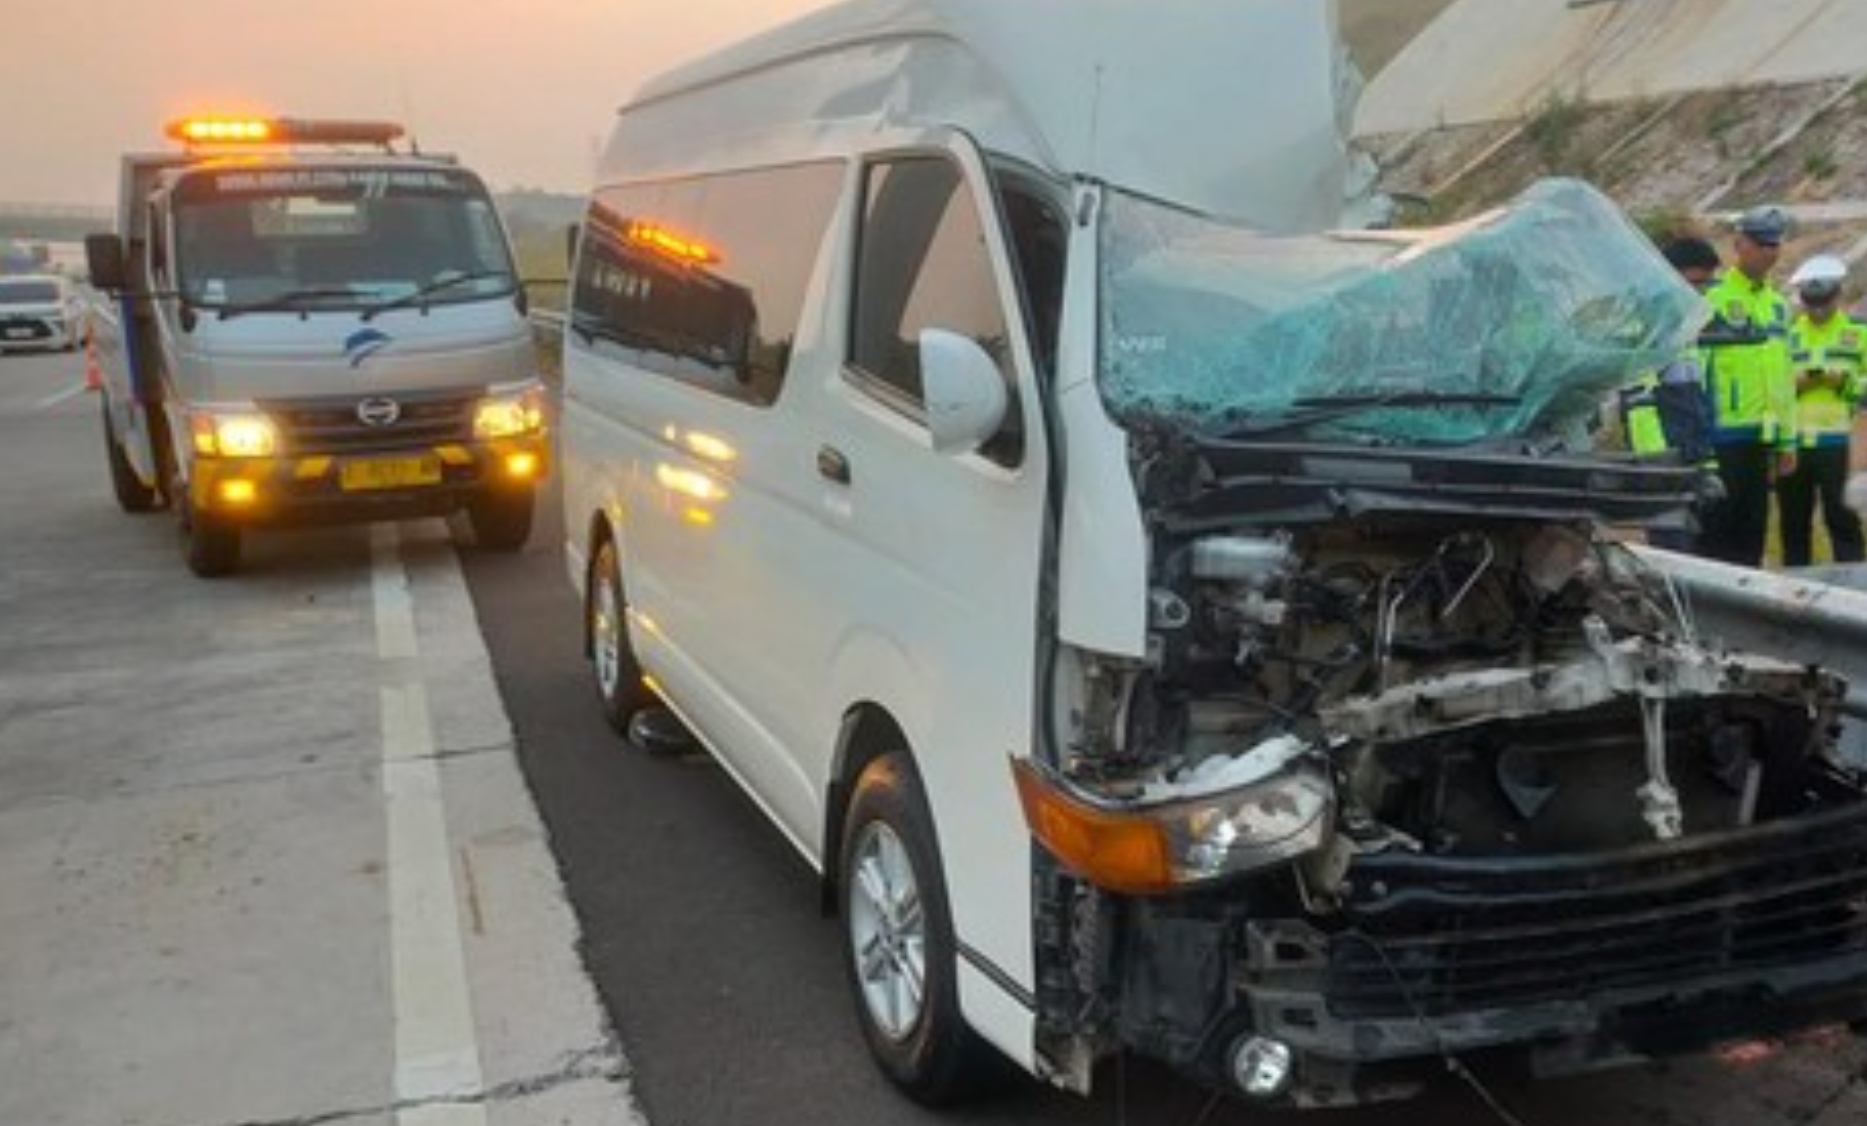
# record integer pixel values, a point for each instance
(1169, 628)
(40, 311)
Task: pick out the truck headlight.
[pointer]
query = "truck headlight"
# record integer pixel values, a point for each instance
(234, 433)
(1142, 847)
(509, 412)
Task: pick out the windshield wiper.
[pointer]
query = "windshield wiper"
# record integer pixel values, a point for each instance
(290, 299)
(1328, 408)
(420, 296)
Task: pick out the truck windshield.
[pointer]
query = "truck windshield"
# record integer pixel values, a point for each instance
(334, 238)
(1513, 324)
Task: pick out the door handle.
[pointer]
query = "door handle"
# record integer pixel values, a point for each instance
(832, 465)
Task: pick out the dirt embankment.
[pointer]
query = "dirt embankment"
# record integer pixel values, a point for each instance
(1685, 161)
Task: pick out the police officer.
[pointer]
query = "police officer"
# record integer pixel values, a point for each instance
(1666, 412)
(1752, 388)
(1827, 350)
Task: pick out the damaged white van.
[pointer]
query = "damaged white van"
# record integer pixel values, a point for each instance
(1168, 626)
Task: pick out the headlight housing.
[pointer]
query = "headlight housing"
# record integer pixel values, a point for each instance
(507, 412)
(235, 432)
(1234, 820)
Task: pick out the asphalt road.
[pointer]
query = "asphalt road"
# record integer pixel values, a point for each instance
(699, 924)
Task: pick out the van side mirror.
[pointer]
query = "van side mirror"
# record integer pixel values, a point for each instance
(103, 256)
(963, 390)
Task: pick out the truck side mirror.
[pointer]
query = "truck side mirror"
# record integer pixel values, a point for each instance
(570, 244)
(103, 256)
(963, 390)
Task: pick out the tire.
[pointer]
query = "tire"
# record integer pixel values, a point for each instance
(899, 951)
(210, 546)
(618, 678)
(132, 494)
(502, 521)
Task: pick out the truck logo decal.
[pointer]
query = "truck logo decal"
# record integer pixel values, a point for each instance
(378, 412)
(364, 343)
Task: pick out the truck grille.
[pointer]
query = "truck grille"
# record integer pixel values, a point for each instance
(335, 425)
(1434, 937)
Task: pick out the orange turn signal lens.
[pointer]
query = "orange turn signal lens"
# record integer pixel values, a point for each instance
(522, 466)
(1123, 854)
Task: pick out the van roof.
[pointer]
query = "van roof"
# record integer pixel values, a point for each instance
(1236, 108)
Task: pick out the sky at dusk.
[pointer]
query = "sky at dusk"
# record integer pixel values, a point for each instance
(523, 91)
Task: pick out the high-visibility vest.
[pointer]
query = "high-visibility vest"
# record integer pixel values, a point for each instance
(1640, 416)
(1825, 414)
(1665, 412)
(1751, 385)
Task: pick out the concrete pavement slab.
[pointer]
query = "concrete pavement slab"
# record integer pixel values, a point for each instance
(200, 852)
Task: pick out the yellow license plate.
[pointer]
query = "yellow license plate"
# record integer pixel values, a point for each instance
(389, 473)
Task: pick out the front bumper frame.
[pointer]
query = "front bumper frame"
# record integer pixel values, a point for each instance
(306, 489)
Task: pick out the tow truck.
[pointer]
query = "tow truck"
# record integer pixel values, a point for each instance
(308, 323)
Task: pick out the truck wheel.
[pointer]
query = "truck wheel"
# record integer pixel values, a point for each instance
(502, 521)
(900, 953)
(618, 677)
(132, 494)
(210, 545)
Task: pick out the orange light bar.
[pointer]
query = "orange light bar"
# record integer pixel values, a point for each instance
(1123, 854)
(218, 130)
(663, 241)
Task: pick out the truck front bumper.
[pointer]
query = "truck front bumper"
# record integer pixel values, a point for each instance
(358, 486)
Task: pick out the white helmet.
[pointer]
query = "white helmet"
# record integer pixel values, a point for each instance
(1821, 272)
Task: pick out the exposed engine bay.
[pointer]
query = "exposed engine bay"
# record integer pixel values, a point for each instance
(1445, 680)
(1502, 688)
(1440, 764)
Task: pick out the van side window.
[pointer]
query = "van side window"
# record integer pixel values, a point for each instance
(922, 263)
(703, 280)
(1039, 237)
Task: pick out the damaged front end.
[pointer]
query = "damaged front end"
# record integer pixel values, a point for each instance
(1420, 761)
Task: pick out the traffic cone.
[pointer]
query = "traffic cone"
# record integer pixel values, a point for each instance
(93, 378)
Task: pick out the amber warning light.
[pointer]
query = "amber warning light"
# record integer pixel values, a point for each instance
(212, 130)
(676, 246)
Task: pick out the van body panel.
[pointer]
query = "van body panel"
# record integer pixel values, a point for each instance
(977, 61)
(768, 599)
(1102, 556)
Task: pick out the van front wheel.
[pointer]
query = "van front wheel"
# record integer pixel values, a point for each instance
(618, 678)
(900, 952)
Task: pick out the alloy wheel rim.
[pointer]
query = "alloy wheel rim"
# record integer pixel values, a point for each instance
(606, 633)
(888, 932)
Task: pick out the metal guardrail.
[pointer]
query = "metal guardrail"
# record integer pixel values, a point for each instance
(1813, 617)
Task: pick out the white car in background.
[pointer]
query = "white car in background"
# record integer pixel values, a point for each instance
(40, 311)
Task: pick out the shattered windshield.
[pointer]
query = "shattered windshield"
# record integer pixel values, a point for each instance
(1514, 323)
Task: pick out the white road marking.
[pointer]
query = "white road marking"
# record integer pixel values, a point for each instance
(53, 400)
(437, 1054)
